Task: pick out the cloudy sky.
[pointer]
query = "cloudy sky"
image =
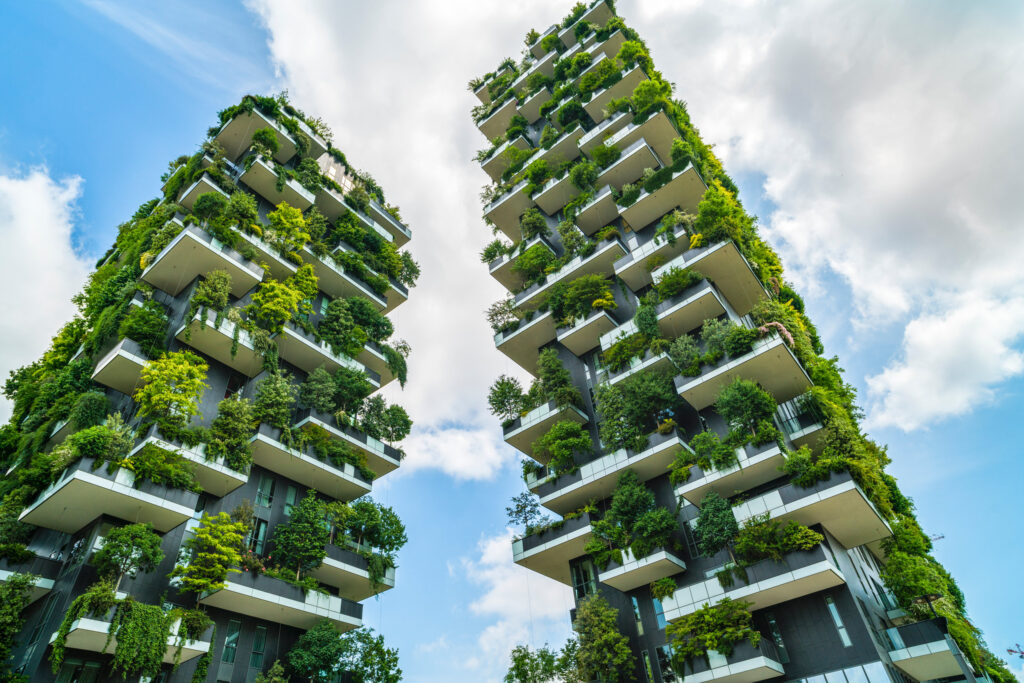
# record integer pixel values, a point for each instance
(879, 143)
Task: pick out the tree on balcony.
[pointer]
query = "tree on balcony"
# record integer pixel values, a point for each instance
(171, 387)
(213, 550)
(300, 543)
(603, 652)
(128, 549)
(717, 628)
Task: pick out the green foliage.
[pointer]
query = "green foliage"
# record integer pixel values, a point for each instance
(141, 632)
(685, 355)
(603, 652)
(533, 224)
(506, 398)
(583, 175)
(300, 543)
(317, 391)
(147, 325)
(494, 249)
(230, 432)
(15, 596)
(576, 299)
(745, 405)
(242, 211)
(96, 601)
(128, 549)
(675, 281)
(377, 326)
(287, 230)
(709, 453)
(633, 522)
(571, 112)
(525, 511)
(209, 206)
(533, 263)
(351, 388)
(555, 380)
(761, 538)
(634, 407)
(385, 422)
(275, 303)
(211, 293)
(624, 350)
(338, 328)
(213, 549)
(605, 155)
(717, 628)
(275, 674)
(322, 653)
(163, 467)
(560, 443)
(716, 525)
(274, 398)
(662, 589)
(265, 141)
(171, 387)
(90, 409)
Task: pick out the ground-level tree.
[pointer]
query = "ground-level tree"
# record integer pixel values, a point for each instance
(603, 652)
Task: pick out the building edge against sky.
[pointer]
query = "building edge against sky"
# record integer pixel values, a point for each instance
(702, 456)
(214, 402)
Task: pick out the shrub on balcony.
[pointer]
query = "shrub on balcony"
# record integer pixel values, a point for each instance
(583, 176)
(264, 141)
(560, 443)
(89, 410)
(551, 42)
(576, 299)
(624, 350)
(317, 391)
(339, 330)
(388, 423)
(548, 136)
(329, 449)
(675, 281)
(211, 294)
(634, 407)
(147, 325)
(323, 654)
(747, 408)
(213, 550)
(274, 398)
(275, 304)
(716, 524)
(162, 467)
(571, 112)
(533, 264)
(761, 538)
(351, 387)
(555, 380)
(170, 389)
(300, 542)
(607, 73)
(603, 652)
(685, 355)
(663, 589)
(533, 224)
(605, 155)
(96, 601)
(717, 628)
(230, 432)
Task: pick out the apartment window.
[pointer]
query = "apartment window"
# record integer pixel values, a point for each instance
(636, 616)
(265, 491)
(231, 642)
(838, 621)
(584, 578)
(648, 671)
(773, 627)
(659, 613)
(324, 303)
(259, 644)
(691, 543)
(664, 654)
(77, 671)
(44, 617)
(259, 536)
(236, 382)
(289, 500)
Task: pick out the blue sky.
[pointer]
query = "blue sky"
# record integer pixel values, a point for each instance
(843, 157)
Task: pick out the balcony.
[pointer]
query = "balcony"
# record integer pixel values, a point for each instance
(380, 457)
(382, 216)
(549, 552)
(396, 293)
(235, 136)
(337, 481)
(599, 262)
(526, 429)
(502, 270)
(801, 424)
(483, 92)
(216, 341)
(279, 602)
(598, 14)
(770, 363)
(213, 475)
(82, 494)
(505, 211)
(373, 358)
(634, 268)
(610, 46)
(121, 367)
(684, 191)
(307, 353)
(768, 583)
(268, 255)
(598, 478)
(521, 343)
(622, 88)
(598, 212)
(529, 109)
(317, 145)
(536, 50)
(332, 205)
(657, 130)
(585, 333)
(723, 264)
(93, 635)
(337, 283)
(497, 122)
(596, 135)
(200, 187)
(633, 573)
(649, 362)
(348, 571)
(630, 165)
(756, 465)
(195, 252)
(837, 503)
(43, 568)
(924, 651)
(746, 664)
(497, 162)
(262, 178)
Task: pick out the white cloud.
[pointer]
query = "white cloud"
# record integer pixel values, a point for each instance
(463, 453)
(890, 144)
(39, 269)
(528, 608)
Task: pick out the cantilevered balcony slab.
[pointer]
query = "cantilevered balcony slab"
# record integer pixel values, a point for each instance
(634, 268)
(837, 503)
(602, 131)
(348, 571)
(502, 268)
(746, 664)
(521, 344)
(332, 205)
(82, 494)
(597, 263)
(262, 178)
(689, 309)
(536, 50)
(801, 425)
(43, 569)
(768, 583)
(585, 333)
(924, 650)
(194, 252)
(338, 283)
(633, 573)
(622, 88)
(280, 267)
(771, 364)
(498, 161)
(505, 211)
(213, 475)
(396, 294)
(383, 217)
(202, 186)
(93, 635)
(121, 367)
(656, 130)
(235, 136)
(274, 600)
(756, 465)
(374, 359)
(598, 212)
(555, 194)
(610, 46)
(598, 478)
(723, 264)
(649, 362)
(380, 457)
(525, 430)
(305, 352)
(630, 165)
(497, 122)
(598, 14)
(549, 552)
(683, 191)
(338, 481)
(216, 341)
(529, 109)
